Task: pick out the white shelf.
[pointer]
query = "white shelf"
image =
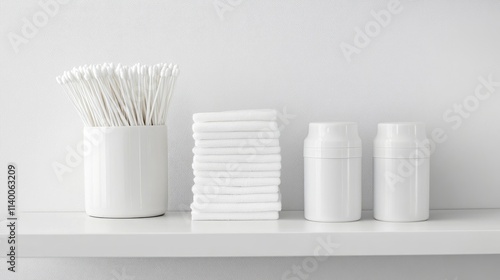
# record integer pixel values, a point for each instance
(448, 232)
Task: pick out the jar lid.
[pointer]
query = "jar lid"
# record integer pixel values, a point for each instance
(333, 135)
(401, 135)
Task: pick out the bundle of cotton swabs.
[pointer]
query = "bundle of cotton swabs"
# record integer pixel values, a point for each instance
(109, 95)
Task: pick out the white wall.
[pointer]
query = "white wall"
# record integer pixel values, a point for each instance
(344, 268)
(261, 54)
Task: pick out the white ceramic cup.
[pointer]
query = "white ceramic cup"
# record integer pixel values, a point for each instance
(126, 171)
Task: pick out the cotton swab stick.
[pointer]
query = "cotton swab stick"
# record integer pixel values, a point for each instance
(117, 95)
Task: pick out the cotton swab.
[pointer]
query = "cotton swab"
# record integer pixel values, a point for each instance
(108, 95)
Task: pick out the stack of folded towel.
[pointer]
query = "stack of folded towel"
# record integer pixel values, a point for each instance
(236, 165)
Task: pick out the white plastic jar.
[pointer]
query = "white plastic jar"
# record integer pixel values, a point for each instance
(332, 172)
(401, 164)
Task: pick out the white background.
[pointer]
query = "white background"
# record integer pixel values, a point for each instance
(265, 54)
(260, 54)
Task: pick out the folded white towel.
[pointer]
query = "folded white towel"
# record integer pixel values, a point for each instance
(231, 198)
(235, 126)
(200, 216)
(271, 134)
(237, 151)
(208, 166)
(237, 174)
(238, 158)
(235, 207)
(240, 115)
(201, 189)
(241, 143)
(237, 182)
